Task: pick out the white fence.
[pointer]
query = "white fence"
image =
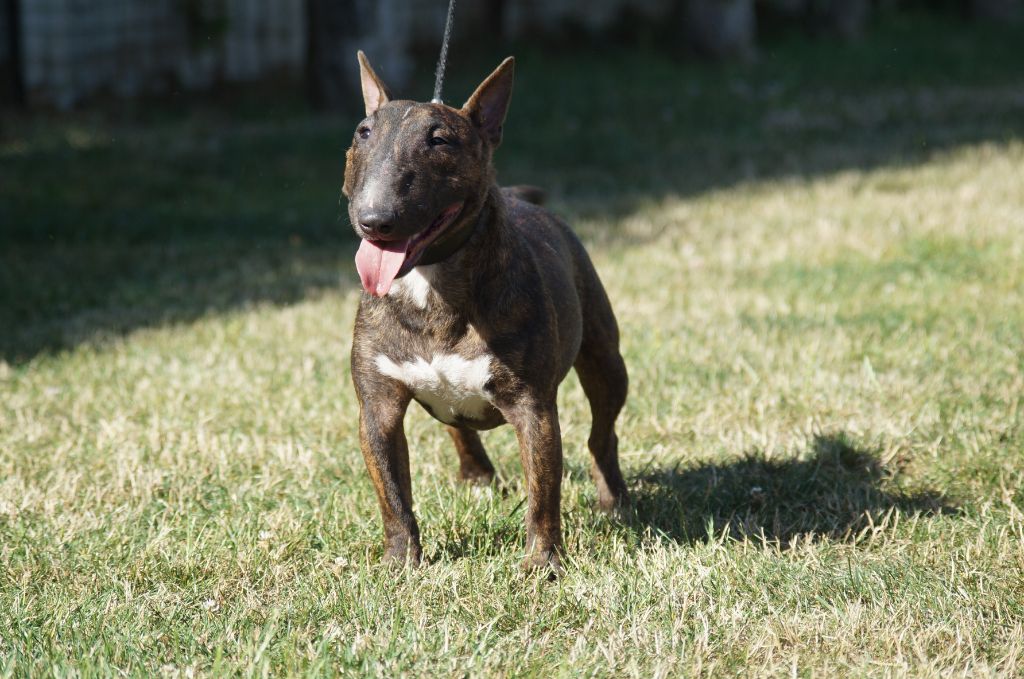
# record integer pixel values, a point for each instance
(75, 48)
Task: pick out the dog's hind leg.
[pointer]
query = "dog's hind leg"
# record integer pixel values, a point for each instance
(474, 465)
(602, 373)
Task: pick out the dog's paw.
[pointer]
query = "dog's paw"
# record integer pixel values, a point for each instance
(614, 504)
(403, 555)
(475, 477)
(543, 561)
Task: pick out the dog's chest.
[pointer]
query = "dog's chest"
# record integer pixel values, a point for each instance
(414, 287)
(451, 386)
(455, 387)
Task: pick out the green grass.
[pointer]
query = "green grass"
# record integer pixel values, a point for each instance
(817, 262)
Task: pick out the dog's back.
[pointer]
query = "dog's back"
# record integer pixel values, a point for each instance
(526, 193)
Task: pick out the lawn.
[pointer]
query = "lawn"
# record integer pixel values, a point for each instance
(817, 261)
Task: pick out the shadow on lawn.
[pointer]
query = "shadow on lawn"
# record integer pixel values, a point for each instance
(55, 298)
(170, 225)
(835, 492)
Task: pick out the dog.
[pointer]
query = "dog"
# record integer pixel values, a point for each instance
(476, 303)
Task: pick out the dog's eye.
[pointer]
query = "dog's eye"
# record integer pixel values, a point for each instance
(363, 132)
(437, 141)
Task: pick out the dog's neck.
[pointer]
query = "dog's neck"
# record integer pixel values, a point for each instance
(491, 208)
(454, 276)
(461, 234)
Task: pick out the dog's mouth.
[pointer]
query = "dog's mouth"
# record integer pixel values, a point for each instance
(380, 262)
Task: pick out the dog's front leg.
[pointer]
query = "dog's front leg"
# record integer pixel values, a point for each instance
(540, 447)
(382, 438)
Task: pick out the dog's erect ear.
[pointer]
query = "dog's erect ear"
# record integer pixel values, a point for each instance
(488, 105)
(375, 92)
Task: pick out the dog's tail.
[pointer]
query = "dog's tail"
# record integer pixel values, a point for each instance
(526, 193)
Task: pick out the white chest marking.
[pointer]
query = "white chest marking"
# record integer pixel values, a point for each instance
(414, 286)
(451, 385)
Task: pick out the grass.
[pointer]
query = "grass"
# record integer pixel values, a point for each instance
(817, 262)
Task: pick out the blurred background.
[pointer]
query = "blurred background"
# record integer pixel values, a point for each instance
(162, 159)
(63, 53)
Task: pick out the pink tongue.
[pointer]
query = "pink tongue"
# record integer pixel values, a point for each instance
(378, 262)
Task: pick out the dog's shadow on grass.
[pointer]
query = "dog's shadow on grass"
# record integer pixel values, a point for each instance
(837, 491)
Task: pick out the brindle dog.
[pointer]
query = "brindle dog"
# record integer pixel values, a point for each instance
(476, 304)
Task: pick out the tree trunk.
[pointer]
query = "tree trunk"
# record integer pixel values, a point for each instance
(332, 78)
(998, 10)
(721, 28)
(12, 87)
(844, 18)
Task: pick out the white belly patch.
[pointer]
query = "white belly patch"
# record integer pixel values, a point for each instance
(451, 385)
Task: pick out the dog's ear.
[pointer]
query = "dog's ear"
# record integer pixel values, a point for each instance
(488, 105)
(375, 92)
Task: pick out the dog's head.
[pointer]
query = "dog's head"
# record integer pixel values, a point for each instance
(417, 174)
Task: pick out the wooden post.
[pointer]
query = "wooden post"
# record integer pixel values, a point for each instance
(331, 77)
(12, 76)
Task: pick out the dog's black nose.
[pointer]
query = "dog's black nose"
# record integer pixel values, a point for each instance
(376, 223)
